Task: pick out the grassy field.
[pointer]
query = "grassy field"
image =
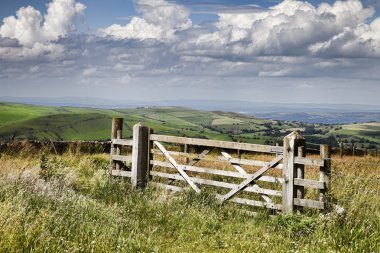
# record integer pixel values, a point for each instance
(70, 123)
(369, 132)
(73, 206)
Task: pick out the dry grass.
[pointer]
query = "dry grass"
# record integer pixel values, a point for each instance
(73, 206)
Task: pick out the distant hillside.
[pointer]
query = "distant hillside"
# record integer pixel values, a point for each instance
(302, 112)
(324, 117)
(79, 123)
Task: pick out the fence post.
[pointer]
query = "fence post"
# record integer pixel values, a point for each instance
(325, 172)
(116, 133)
(140, 156)
(185, 150)
(341, 149)
(277, 154)
(291, 170)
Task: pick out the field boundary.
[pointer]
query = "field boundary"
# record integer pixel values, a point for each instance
(57, 147)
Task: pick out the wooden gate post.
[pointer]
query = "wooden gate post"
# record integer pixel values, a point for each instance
(117, 133)
(325, 172)
(292, 142)
(300, 172)
(140, 156)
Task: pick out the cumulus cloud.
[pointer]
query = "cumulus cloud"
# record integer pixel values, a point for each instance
(159, 20)
(36, 33)
(289, 28)
(59, 18)
(360, 41)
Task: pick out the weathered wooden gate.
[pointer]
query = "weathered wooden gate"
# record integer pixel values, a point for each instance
(276, 183)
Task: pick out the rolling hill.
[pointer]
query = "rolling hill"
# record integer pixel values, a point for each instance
(77, 123)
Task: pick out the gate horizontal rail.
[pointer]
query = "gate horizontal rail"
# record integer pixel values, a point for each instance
(217, 144)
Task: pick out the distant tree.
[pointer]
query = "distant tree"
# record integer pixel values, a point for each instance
(372, 146)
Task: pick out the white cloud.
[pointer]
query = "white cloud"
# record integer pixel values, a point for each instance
(89, 71)
(25, 27)
(160, 20)
(59, 18)
(49, 51)
(275, 73)
(36, 33)
(360, 41)
(289, 28)
(34, 69)
(333, 63)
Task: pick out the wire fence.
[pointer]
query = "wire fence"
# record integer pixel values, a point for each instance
(351, 156)
(346, 149)
(355, 154)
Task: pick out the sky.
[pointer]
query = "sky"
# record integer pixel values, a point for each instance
(148, 50)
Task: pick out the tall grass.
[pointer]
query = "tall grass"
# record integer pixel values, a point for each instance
(69, 204)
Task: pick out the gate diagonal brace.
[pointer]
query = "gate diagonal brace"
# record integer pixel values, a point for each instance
(253, 177)
(241, 170)
(235, 165)
(193, 162)
(175, 164)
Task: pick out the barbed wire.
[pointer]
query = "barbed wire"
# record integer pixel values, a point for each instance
(345, 146)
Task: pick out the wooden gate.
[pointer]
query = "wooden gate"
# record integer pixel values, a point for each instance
(268, 176)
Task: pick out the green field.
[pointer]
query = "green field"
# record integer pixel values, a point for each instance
(367, 134)
(73, 123)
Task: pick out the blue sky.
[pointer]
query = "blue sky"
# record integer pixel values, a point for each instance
(316, 51)
(101, 13)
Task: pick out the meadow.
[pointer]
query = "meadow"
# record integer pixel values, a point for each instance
(69, 203)
(22, 121)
